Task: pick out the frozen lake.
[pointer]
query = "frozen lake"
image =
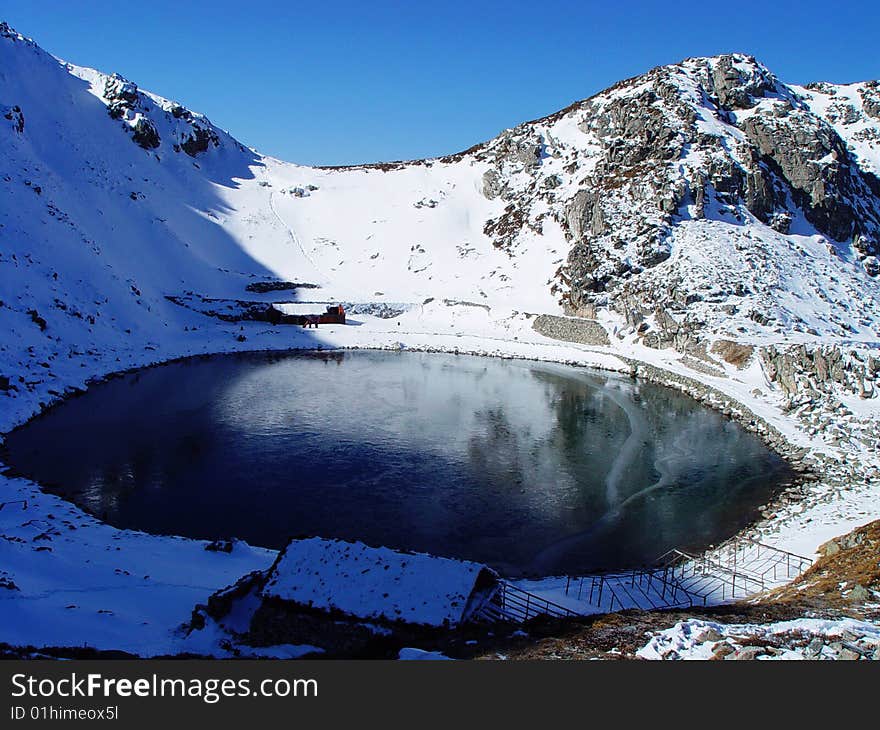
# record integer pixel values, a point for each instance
(532, 468)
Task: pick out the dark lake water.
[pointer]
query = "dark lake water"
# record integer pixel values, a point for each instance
(532, 468)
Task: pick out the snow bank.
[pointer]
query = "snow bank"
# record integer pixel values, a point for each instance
(412, 654)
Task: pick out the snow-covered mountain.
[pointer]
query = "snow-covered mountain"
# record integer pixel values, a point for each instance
(704, 222)
(704, 196)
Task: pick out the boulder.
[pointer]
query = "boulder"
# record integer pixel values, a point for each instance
(722, 649)
(709, 634)
(747, 653)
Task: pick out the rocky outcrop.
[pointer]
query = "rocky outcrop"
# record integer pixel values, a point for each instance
(707, 139)
(846, 575)
(583, 214)
(737, 80)
(144, 133)
(807, 372)
(516, 153)
(870, 94)
(641, 136)
(814, 161)
(199, 140)
(121, 95)
(492, 184)
(144, 116)
(507, 227)
(657, 159)
(734, 353)
(123, 103)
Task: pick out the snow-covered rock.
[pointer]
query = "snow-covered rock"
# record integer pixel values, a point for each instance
(815, 639)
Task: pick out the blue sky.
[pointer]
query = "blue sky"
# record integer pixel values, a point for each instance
(326, 82)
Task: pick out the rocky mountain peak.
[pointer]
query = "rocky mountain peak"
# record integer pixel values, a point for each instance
(737, 80)
(633, 172)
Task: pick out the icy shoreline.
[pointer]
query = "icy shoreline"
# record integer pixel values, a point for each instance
(119, 589)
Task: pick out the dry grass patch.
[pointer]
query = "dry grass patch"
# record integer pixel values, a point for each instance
(847, 574)
(733, 353)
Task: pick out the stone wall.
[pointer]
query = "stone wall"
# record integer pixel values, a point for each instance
(569, 329)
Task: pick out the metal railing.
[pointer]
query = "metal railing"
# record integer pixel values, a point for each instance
(511, 603)
(640, 588)
(761, 560)
(738, 568)
(704, 578)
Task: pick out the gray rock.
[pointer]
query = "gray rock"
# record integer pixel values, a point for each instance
(492, 184)
(747, 653)
(199, 140)
(813, 159)
(737, 88)
(16, 116)
(119, 89)
(583, 214)
(870, 94)
(710, 634)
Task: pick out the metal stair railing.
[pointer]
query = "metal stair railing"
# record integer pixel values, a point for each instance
(657, 590)
(738, 568)
(669, 584)
(771, 558)
(512, 603)
(729, 579)
(600, 586)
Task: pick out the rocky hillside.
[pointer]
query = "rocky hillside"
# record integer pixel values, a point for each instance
(696, 189)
